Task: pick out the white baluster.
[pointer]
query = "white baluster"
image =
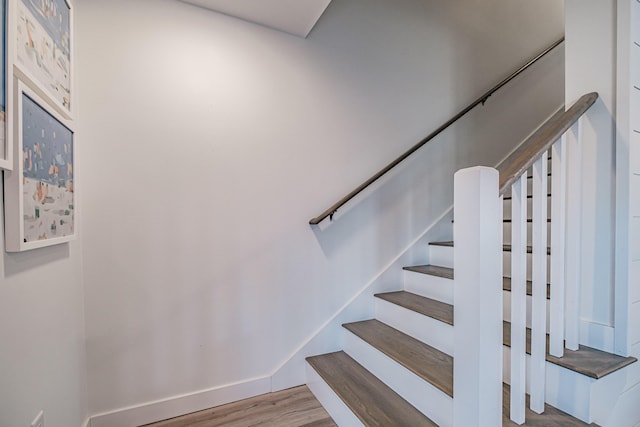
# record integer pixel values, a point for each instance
(573, 236)
(478, 298)
(518, 298)
(558, 197)
(539, 292)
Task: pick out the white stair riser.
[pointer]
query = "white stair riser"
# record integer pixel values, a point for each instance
(506, 233)
(340, 413)
(423, 328)
(566, 390)
(421, 394)
(431, 331)
(426, 285)
(443, 256)
(506, 309)
(506, 212)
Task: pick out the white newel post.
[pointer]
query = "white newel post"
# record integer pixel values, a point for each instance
(477, 234)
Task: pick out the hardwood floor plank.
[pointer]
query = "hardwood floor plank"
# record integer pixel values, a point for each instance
(295, 407)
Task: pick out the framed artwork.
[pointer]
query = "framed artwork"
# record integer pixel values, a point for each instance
(39, 48)
(6, 152)
(39, 192)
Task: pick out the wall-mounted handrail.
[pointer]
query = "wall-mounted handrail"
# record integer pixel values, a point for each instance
(540, 141)
(481, 100)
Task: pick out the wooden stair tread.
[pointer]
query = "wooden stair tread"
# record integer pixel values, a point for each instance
(426, 362)
(530, 196)
(375, 404)
(551, 417)
(432, 270)
(506, 286)
(505, 247)
(508, 220)
(426, 306)
(372, 401)
(586, 360)
(531, 176)
(447, 273)
(530, 220)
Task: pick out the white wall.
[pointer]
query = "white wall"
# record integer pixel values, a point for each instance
(210, 142)
(627, 288)
(599, 36)
(590, 66)
(42, 351)
(634, 183)
(628, 177)
(42, 346)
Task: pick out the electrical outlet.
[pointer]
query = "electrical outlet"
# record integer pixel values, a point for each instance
(38, 421)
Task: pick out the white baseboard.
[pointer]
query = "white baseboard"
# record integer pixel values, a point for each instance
(180, 405)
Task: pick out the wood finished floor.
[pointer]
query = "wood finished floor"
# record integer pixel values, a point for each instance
(295, 407)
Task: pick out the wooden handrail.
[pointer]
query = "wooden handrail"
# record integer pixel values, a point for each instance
(481, 100)
(540, 141)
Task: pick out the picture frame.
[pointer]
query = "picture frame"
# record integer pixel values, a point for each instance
(40, 196)
(39, 49)
(6, 152)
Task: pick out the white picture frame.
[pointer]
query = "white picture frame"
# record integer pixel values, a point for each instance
(40, 50)
(6, 148)
(40, 196)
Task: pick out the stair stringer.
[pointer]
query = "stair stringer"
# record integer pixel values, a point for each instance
(329, 336)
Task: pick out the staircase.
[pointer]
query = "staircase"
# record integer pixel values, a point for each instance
(398, 369)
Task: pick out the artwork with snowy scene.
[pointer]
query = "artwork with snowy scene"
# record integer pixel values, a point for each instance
(43, 46)
(5, 149)
(40, 197)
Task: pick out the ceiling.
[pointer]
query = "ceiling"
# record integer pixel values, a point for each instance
(297, 17)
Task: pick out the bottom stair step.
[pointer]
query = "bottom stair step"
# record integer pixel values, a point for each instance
(551, 417)
(367, 397)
